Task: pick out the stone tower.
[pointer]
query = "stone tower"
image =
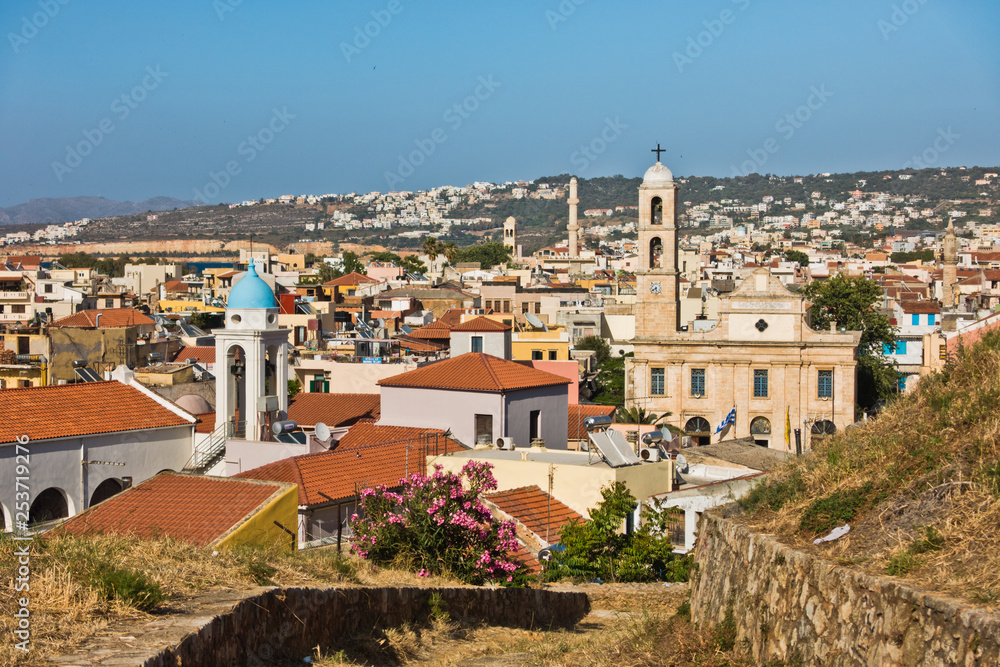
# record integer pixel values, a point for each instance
(949, 257)
(252, 358)
(510, 236)
(657, 306)
(573, 227)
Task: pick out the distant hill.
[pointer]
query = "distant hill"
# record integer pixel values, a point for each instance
(68, 209)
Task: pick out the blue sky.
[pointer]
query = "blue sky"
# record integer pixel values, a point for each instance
(295, 98)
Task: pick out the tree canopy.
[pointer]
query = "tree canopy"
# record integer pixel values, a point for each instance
(487, 254)
(852, 302)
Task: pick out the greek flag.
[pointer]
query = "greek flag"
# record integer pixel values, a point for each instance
(727, 422)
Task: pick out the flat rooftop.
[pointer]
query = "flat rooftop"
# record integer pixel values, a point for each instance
(557, 456)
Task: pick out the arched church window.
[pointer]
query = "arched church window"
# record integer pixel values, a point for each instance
(655, 252)
(823, 427)
(697, 425)
(656, 211)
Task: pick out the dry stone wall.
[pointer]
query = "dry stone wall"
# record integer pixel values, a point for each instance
(785, 604)
(291, 622)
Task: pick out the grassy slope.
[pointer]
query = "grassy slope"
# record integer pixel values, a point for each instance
(919, 485)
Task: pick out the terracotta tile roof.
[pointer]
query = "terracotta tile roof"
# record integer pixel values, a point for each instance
(368, 434)
(308, 409)
(416, 345)
(475, 371)
(339, 474)
(175, 286)
(577, 413)
(481, 324)
(436, 330)
(69, 410)
(350, 279)
(911, 307)
(452, 317)
(206, 423)
(110, 318)
(540, 513)
(191, 508)
(202, 354)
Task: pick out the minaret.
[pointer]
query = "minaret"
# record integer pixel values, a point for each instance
(657, 279)
(573, 227)
(949, 256)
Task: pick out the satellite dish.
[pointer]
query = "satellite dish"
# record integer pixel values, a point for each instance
(535, 322)
(545, 555)
(681, 463)
(322, 431)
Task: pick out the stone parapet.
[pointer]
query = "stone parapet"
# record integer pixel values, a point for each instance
(789, 605)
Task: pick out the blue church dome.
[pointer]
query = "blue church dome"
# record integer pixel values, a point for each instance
(251, 292)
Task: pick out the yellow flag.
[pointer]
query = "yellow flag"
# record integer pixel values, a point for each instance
(788, 429)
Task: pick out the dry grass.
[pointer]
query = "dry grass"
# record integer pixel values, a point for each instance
(67, 608)
(928, 464)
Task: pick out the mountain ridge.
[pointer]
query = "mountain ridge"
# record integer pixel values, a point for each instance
(68, 209)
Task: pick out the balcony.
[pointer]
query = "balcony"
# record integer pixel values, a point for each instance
(13, 296)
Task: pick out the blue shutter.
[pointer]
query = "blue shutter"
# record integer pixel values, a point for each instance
(915, 319)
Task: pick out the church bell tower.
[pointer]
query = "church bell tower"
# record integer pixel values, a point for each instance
(657, 279)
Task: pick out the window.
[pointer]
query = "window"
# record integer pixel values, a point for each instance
(17, 309)
(553, 355)
(535, 425)
(914, 319)
(824, 387)
(899, 349)
(697, 381)
(657, 381)
(536, 355)
(524, 306)
(48, 288)
(538, 308)
(760, 383)
(484, 429)
(109, 303)
(506, 305)
(932, 319)
(488, 305)
(477, 343)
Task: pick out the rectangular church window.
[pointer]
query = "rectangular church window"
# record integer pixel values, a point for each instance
(657, 381)
(760, 383)
(697, 381)
(824, 387)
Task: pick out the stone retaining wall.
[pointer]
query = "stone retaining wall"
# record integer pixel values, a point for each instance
(789, 605)
(291, 622)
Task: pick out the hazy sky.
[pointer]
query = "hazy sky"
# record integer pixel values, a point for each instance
(130, 100)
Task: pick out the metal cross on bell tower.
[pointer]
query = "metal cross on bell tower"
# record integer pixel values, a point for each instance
(658, 150)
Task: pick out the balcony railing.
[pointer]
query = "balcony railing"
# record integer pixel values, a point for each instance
(13, 296)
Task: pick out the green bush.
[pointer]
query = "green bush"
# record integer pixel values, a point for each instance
(836, 509)
(773, 494)
(129, 586)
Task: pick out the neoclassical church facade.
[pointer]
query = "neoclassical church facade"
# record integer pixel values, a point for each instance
(760, 357)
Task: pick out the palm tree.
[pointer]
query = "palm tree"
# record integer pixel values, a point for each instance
(637, 415)
(431, 247)
(450, 250)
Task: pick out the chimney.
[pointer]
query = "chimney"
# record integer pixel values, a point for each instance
(97, 320)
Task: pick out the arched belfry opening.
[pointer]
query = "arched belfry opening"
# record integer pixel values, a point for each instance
(656, 211)
(655, 252)
(236, 379)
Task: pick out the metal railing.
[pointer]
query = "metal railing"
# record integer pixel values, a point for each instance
(210, 450)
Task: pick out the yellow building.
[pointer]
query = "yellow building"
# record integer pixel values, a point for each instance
(760, 357)
(551, 345)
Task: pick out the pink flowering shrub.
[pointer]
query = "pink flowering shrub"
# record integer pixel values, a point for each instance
(438, 524)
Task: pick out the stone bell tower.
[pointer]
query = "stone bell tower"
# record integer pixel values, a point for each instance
(657, 279)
